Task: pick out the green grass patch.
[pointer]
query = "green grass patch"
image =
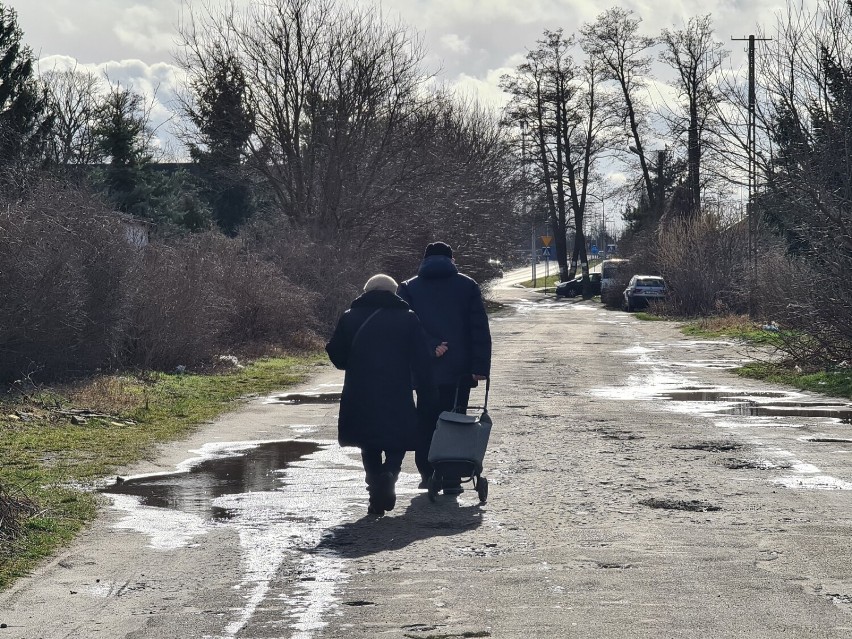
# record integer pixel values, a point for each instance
(543, 282)
(733, 327)
(649, 317)
(835, 383)
(52, 441)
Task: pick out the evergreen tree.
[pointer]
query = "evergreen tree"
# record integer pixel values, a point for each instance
(224, 126)
(24, 122)
(131, 179)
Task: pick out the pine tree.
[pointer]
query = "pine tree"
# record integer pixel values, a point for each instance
(224, 127)
(24, 121)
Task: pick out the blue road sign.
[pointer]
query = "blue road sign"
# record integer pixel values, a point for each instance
(545, 252)
(594, 249)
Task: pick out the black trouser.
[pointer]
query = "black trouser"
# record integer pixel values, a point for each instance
(446, 401)
(374, 467)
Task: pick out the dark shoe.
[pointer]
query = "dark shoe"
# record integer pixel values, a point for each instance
(424, 482)
(372, 509)
(388, 494)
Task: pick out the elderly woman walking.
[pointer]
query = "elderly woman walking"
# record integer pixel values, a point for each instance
(382, 347)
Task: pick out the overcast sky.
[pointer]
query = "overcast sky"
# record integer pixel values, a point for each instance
(471, 42)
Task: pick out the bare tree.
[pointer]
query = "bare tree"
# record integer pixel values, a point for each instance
(570, 123)
(331, 93)
(73, 98)
(696, 58)
(614, 39)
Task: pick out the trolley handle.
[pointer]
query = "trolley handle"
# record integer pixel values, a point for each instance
(484, 406)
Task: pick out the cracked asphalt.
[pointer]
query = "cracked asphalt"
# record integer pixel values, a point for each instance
(638, 488)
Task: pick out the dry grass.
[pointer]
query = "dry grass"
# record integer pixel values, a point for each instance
(724, 323)
(14, 510)
(114, 394)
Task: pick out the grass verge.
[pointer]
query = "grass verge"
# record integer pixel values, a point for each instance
(648, 317)
(837, 383)
(543, 282)
(733, 327)
(55, 442)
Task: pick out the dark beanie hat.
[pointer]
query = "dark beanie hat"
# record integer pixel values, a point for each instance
(438, 248)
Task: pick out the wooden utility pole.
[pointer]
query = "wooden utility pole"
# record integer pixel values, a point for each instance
(751, 137)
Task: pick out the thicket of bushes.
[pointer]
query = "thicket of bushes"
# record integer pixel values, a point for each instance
(707, 268)
(76, 295)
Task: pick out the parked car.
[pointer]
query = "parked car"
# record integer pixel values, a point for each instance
(574, 287)
(610, 272)
(643, 289)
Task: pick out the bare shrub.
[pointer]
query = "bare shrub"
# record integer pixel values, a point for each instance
(335, 272)
(199, 295)
(174, 316)
(778, 278)
(263, 305)
(14, 510)
(63, 258)
(704, 262)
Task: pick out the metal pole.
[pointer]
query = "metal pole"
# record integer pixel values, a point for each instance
(532, 222)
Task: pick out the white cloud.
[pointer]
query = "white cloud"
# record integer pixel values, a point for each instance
(472, 42)
(159, 82)
(145, 29)
(455, 44)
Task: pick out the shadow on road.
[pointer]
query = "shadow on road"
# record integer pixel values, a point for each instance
(422, 519)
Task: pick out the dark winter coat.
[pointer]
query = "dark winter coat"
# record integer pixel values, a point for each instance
(389, 357)
(450, 307)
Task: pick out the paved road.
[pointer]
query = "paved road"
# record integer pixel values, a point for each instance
(629, 498)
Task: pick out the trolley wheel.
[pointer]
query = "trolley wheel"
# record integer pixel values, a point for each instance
(482, 489)
(433, 488)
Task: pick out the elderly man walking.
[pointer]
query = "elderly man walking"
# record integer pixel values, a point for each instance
(450, 307)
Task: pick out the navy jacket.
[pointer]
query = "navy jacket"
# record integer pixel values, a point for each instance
(450, 307)
(388, 359)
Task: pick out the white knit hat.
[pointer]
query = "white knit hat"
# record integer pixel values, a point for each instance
(381, 282)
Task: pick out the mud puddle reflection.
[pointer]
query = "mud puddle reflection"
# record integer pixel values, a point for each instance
(305, 398)
(194, 491)
(760, 404)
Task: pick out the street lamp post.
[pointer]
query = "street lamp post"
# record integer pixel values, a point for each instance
(523, 124)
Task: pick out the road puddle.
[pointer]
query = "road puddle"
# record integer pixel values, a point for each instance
(692, 505)
(747, 403)
(656, 378)
(195, 490)
(715, 395)
(304, 398)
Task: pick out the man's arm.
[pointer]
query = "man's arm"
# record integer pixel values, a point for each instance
(436, 347)
(480, 336)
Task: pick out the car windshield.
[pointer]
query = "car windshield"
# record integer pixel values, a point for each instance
(650, 282)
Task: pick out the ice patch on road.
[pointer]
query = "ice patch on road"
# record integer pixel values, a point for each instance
(818, 482)
(167, 529)
(313, 494)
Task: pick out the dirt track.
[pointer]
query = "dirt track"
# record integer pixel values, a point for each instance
(613, 512)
